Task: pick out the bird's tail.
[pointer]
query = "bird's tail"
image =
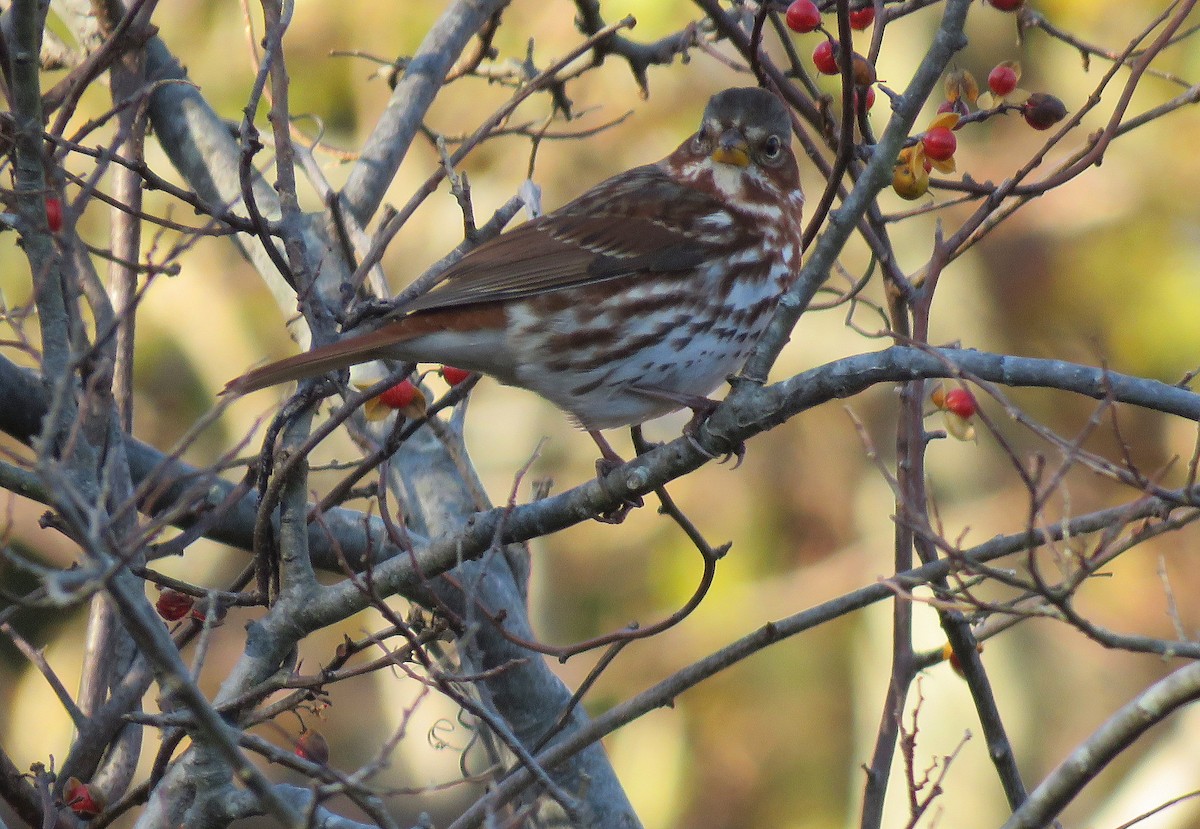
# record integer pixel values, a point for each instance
(341, 354)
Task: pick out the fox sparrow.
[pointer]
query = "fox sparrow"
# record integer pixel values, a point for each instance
(634, 300)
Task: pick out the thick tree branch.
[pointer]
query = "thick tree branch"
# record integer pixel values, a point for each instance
(1131, 721)
(733, 421)
(411, 99)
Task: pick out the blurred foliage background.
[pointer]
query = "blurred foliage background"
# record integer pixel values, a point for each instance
(1105, 270)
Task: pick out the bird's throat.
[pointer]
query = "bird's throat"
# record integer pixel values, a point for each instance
(728, 179)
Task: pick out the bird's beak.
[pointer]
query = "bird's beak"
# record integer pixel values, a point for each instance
(732, 149)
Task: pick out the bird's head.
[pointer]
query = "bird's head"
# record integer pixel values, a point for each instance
(745, 132)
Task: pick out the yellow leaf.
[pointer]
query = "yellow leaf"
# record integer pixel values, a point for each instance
(949, 120)
(959, 427)
(946, 166)
(961, 84)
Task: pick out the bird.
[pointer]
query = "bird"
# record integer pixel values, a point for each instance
(634, 300)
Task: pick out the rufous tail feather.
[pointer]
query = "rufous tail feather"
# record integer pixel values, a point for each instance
(327, 358)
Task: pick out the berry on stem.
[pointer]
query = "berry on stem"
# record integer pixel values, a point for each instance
(957, 106)
(1007, 5)
(959, 406)
(173, 605)
(937, 144)
(940, 143)
(453, 376)
(82, 798)
(961, 402)
(825, 58)
(1003, 79)
(862, 70)
(1002, 86)
(404, 397)
(399, 395)
(54, 213)
(910, 176)
(312, 746)
(1043, 111)
(803, 16)
(951, 657)
(862, 18)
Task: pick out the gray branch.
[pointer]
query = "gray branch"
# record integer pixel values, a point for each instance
(1130, 722)
(414, 93)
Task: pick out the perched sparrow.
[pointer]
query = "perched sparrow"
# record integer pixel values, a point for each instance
(634, 300)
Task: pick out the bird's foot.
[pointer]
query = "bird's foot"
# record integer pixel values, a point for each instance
(691, 430)
(608, 461)
(702, 408)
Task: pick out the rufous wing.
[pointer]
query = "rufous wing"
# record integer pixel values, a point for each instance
(617, 229)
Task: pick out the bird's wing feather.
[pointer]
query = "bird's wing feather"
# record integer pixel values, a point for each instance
(615, 229)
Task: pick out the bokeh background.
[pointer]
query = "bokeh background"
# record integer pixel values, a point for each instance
(1106, 270)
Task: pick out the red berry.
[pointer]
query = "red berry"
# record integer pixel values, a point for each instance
(940, 143)
(54, 213)
(453, 375)
(950, 656)
(961, 402)
(399, 395)
(862, 18)
(173, 605)
(870, 97)
(825, 58)
(803, 16)
(958, 105)
(82, 799)
(1007, 5)
(1002, 80)
(1043, 111)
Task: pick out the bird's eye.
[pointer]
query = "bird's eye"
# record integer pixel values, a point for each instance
(772, 148)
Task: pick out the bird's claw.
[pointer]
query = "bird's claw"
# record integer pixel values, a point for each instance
(617, 514)
(691, 430)
(738, 451)
(609, 462)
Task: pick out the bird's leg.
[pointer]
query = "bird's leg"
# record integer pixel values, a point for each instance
(702, 408)
(640, 445)
(607, 462)
(609, 459)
